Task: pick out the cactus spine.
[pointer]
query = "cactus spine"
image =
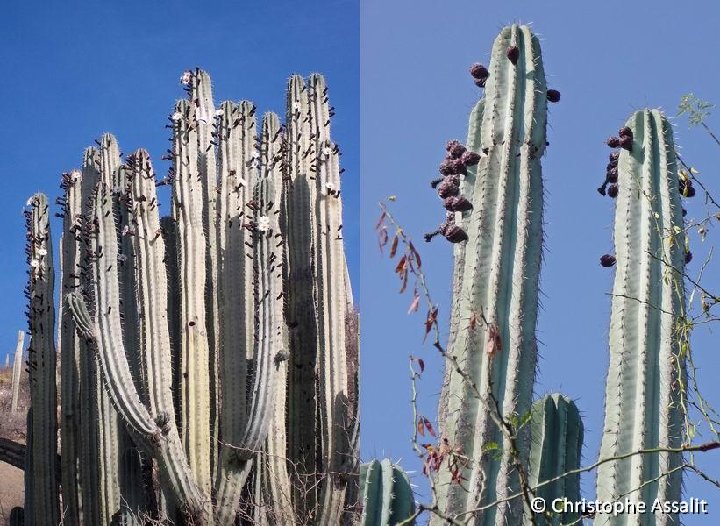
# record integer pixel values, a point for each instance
(496, 275)
(557, 438)
(387, 498)
(43, 441)
(17, 371)
(644, 394)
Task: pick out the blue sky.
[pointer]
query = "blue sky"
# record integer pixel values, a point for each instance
(607, 59)
(78, 69)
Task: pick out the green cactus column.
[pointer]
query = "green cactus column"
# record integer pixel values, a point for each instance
(496, 275)
(643, 396)
(42, 442)
(387, 497)
(557, 439)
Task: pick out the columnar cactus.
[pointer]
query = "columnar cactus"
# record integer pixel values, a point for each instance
(557, 439)
(17, 371)
(644, 394)
(178, 309)
(387, 497)
(496, 276)
(43, 395)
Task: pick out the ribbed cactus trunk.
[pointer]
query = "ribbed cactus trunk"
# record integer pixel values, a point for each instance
(319, 412)
(496, 276)
(387, 497)
(42, 361)
(17, 371)
(557, 439)
(644, 399)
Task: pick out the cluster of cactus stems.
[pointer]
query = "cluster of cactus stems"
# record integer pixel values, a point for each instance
(203, 347)
(495, 280)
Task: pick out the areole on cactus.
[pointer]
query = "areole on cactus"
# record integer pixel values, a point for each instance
(178, 310)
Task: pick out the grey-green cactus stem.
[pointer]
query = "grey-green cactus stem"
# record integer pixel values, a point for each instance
(17, 371)
(557, 438)
(318, 305)
(644, 393)
(244, 439)
(70, 413)
(500, 269)
(43, 392)
(152, 432)
(387, 498)
(189, 210)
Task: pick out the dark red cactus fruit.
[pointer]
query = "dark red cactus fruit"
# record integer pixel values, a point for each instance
(612, 191)
(688, 257)
(606, 260)
(690, 191)
(612, 175)
(625, 132)
(457, 204)
(513, 53)
(613, 142)
(436, 182)
(684, 212)
(454, 234)
(469, 158)
(611, 165)
(479, 72)
(448, 189)
(553, 95)
(601, 189)
(614, 157)
(430, 235)
(455, 149)
(626, 142)
(480, 83)
(452, 167)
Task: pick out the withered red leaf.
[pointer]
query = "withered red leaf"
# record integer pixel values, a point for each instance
(381, 220)
(393, 246)
(416, 254)
(382, 237)
(430, 320)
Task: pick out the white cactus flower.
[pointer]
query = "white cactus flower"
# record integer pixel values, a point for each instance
(42, 251)
(219, 113)
(176, 116)
(326, 152)
(263, 223)
(35, 263)
(186, 77)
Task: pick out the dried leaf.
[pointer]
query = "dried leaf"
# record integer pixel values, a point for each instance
(400, 267)
(430, 320)
(415, 303)
(404, 277)
(393, 247)
(382, 237)
(416, 254)
(420, 362)
(494, 343)
(421, 426)
(381, 220)
(429, 427)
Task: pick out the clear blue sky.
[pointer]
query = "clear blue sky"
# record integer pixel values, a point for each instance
(607, 59)
(74, 70)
